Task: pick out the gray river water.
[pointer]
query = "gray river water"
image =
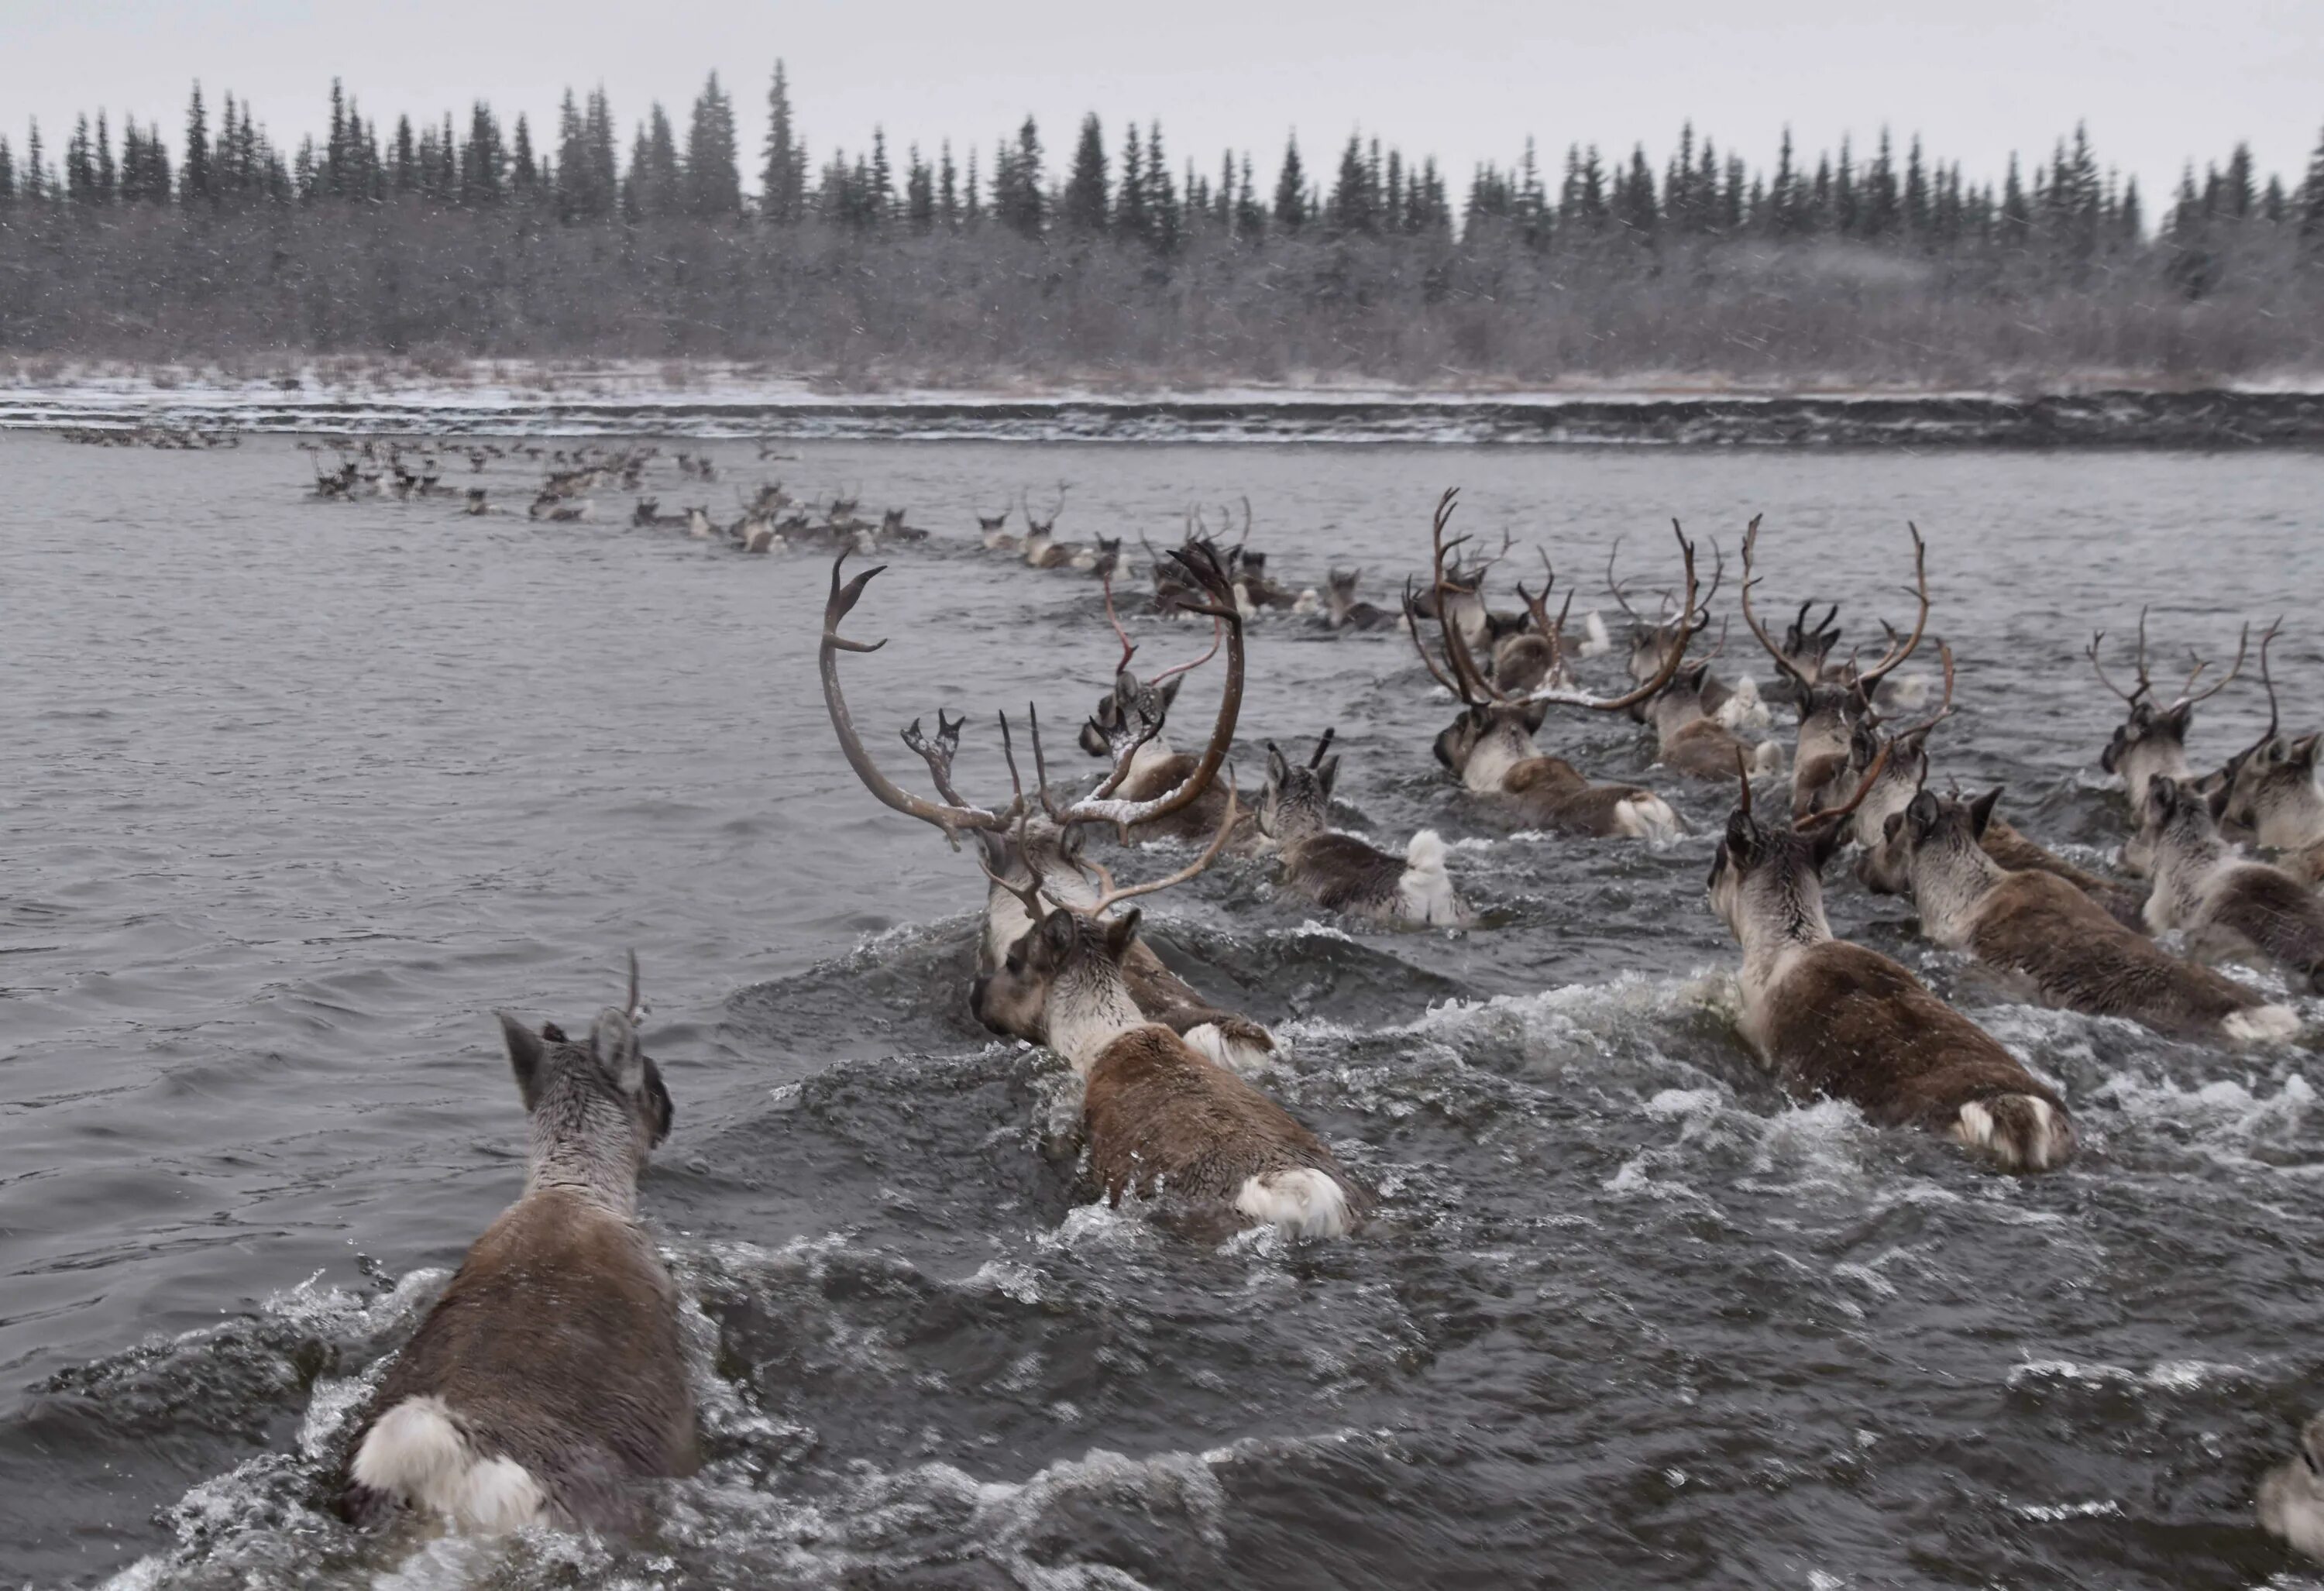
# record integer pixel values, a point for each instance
(298, 793)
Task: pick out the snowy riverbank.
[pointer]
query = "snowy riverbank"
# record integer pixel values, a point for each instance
(710, 400)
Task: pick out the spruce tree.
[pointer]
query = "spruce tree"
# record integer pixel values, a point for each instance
(195, 170)
(36, 179)
(1350, 205)
(80, 167)
(1133, 220)
(7, 175)
(1085, 207)
(713, 182)
(106, 174)
(1249, 220)
(1019, 198)
(2239, 190)
(782, 179)
(2311, 198)
(920, 194)
(524, 175)
(1291, 189)
(1169, 226)
(947, 190)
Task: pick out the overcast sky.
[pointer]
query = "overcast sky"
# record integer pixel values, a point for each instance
(1464, 79)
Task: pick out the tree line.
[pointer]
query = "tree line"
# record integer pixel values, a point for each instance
(471, 236)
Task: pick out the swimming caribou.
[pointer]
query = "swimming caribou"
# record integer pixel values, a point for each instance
(2151, 743)
(548, 1382)
(1021, 845)
(1490, 747)
(1836, 1020)
(1831, 702)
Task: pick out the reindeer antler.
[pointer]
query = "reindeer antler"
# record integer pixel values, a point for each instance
(2235, 670)
(1690, 622)
(1110, 895)
(2267, 679)
(1944, 706)
(1217, 630)
(1751, 546)
(2145, 685)
(1615, 587)
(1202, 570)
(951, 817)
(938, 753)
(1818, 818)
(1129, 647)
(1895, 655)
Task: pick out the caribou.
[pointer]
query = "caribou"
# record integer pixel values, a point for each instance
(547, 1384)
(1836, 1020)
(1022, 847)
(2269, 787)
(1831, 703)
(2057, 940)
(1881, 865)
(1130, 721)
(2229, 904)
(1341, 610)
(1342, 872)
(2151, 743)
(1734, 707)
(1161, 1113)
(1490, 747)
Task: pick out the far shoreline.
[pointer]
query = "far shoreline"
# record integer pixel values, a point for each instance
(714, 400)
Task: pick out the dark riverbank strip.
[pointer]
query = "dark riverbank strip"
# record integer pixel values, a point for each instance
(2118, 419)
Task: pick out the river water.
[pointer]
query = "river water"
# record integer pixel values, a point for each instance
(301, 791)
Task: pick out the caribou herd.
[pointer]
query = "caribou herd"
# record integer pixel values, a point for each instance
(476, 1422)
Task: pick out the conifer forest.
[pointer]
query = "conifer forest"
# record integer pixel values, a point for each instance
(1111, 256)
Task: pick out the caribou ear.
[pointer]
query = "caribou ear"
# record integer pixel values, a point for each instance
(1170, 691)
(2164, 794)
(1981, 811)
(1119, 933)
(526, 1054)
(2304, 752)
(2177, 720)
(1742, 836)
(614, 1041)
(1536, 713)
(1892, 826)
(1058, 933)
(1277, 769)
(1125, 689)
(1328, 775)
(1923, 815)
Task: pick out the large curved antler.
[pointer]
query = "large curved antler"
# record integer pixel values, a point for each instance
(2267, 679)
(1868, 677)
(949, 817)
(1944, 706)
(2145, 685)
(1691, 620)
(1615, 587)
(2235, 670)
(1204, 572)
(1832, 814)
(1472, 687)
(1751, 620)
(1110, 895)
